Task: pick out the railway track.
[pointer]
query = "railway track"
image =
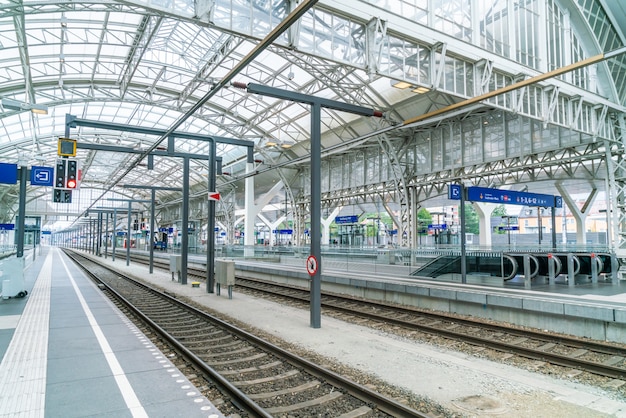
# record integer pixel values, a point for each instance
(259, 378)
(579, 355)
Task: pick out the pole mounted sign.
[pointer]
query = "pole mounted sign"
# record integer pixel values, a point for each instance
(41, 176)
(214, 196)
(8, 173)
(311, 265)
(506, 197)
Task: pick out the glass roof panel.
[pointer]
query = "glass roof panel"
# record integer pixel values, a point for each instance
(126, 64)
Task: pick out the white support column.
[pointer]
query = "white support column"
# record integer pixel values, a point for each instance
(248, 239)
(252, 209)
(413, 237)
(326, 224)
(580, 215)
(484, 211)
(272, 226)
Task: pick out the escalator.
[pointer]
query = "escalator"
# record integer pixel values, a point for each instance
(443, 264)
(486, 264)
(510, 265)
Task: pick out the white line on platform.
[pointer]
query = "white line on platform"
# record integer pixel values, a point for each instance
(126, 389)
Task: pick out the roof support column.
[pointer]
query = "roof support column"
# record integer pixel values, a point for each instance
(326, 224)
(580, 215)
(316, 104)
(272, 226)
(484, 211)
(184, 246)
(251, 212)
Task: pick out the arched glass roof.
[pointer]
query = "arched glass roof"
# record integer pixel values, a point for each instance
(146, 63)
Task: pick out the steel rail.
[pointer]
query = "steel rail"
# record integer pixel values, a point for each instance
(557, 359)
(366, 395)
(241, 399)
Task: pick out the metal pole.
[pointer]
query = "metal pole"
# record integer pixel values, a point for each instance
(553, 228)
(462, 221)
(21, 211)
(508, 229)
(184, 246)
(92, 241)
(210, 241)
(114, 234)
(99, 235)
(316, 213)
(539, 226)
(106, 237)
(152, 230)
(128, 235)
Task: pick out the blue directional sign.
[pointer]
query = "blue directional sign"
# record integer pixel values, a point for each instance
(454, 191)
(7, 227)
(558, 202)
(350, 219)
(508, 228)
(509, 197)
(440, 227)
(41, 176)
(8, 173)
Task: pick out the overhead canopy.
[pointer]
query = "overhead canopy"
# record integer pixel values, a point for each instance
(146, 63)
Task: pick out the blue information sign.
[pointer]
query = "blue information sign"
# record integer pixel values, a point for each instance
(508, 228)
(41, 176)
(8, 173)
(454, 191)
(558, 201)
(438, 226)
(350, 219)
(7, 227)
(509, 197)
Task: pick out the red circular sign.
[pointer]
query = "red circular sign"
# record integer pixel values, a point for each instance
(311, 265)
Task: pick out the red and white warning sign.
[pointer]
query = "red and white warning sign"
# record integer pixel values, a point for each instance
(311, 265)
(214, 195)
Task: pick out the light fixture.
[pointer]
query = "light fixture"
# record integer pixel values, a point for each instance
(16, 105)
(401, 84)
(287, 144)
(420, 90)
(271, 143)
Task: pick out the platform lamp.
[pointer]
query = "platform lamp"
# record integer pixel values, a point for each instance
(17, 105)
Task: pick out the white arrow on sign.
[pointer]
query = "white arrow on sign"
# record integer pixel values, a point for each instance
(42, 176)
(214, 196)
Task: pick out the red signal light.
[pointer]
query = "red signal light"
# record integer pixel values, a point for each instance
(71, 184)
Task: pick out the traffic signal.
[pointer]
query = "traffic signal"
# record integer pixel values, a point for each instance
(62, 196)
(66, 179)
(60, 174)
(72, 174)
(67, 174)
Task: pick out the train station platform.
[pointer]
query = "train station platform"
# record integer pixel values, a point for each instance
(67, 351)
(468, 385)
(589, 310)
(596, 311)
